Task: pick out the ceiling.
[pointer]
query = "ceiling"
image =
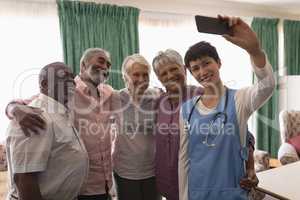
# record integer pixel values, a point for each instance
(289, 9)
(265, 8)
(290, 6)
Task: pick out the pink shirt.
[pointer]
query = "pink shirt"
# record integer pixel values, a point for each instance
(92, 114)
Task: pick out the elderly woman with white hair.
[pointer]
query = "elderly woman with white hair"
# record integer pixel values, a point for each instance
(169, 68)
(134, 142)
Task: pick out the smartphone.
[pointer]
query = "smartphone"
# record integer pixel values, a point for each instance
(212, 25)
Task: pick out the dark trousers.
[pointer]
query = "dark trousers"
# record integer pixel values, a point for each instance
(94, 197)
(136, 189)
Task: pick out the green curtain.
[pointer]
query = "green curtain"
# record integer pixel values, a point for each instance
(292, 46)
(267, 128)
(85, 25)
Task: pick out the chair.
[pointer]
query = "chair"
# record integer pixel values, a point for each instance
(261, 160)
(289, 122)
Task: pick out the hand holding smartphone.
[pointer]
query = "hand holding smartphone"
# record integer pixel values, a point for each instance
(212, 25)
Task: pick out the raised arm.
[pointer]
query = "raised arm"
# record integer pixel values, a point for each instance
(253, 97)
(250, 99)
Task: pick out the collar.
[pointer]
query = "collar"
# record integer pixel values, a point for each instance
(188, 92)
(103, 89)
(51, 105)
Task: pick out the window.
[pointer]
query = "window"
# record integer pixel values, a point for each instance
(30, 39)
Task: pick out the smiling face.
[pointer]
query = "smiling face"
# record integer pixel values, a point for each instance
(206, 71)
(137, 78)
(96, 68)
(172, 76)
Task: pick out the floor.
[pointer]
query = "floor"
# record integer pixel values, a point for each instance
(3, 185)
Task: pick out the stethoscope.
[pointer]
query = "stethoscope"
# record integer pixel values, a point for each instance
(219, 115)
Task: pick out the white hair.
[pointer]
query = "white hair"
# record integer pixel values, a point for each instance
(90, 52)
(168, 56)
(129, 61)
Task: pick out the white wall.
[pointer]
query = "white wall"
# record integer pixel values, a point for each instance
(29, 39)
(289, 93)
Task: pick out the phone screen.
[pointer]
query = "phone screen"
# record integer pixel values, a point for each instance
(212, 25)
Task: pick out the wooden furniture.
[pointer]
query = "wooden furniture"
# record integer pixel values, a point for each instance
(273, 162)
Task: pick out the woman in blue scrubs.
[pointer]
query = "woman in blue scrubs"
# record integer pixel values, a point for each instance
(213, 126)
